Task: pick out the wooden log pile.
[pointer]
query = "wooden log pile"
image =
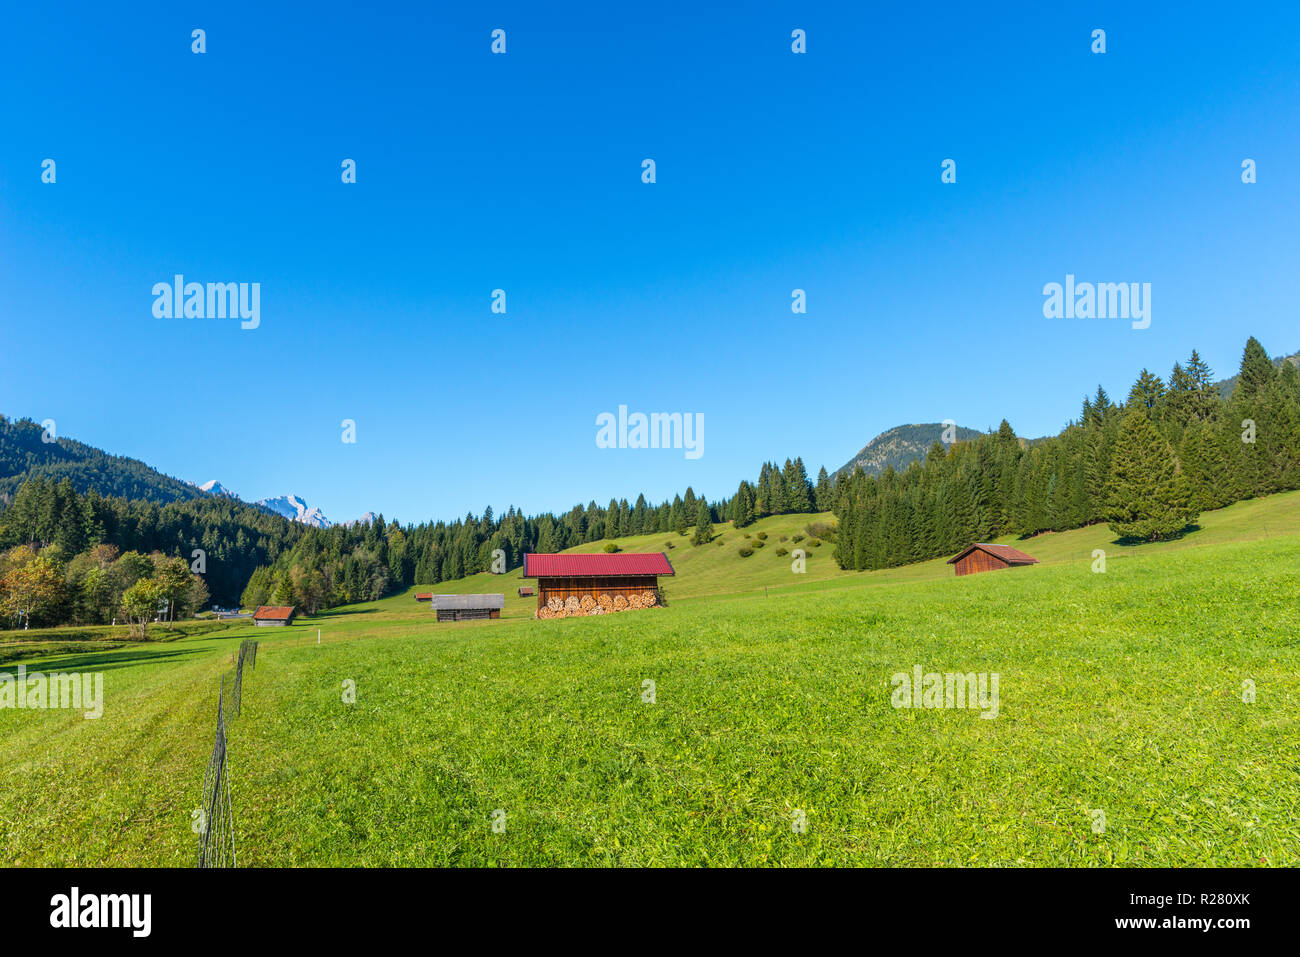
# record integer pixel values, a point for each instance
(602, 604)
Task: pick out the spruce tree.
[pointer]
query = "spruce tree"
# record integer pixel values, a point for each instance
(1150, 497)
(680, 523)
(798, 492)
(743, 506)
(823, 496)
(703, 525)
(1257, 370)
(1147, 391)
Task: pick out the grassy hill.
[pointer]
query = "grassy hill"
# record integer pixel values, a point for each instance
(1119, 691)
(718, 569)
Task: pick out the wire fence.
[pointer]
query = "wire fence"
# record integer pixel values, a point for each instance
(216, 823)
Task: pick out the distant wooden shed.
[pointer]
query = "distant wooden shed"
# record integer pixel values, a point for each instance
(468, 607)
(982, 557)
(424, 596)
(273, 616)
(526, 591)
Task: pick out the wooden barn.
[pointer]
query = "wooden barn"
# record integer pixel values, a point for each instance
(618, 576)
(468, 607)
(527, 591)
(273, 616)
(989, 558)
(424, 596)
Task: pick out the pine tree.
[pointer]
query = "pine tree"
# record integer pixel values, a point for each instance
(1150, 497)
(703, 525)
(1101, 405)
(743, 506)
(823, 497)
(798, 492)
(1257, 370)
(680, 522)
(1147, 391)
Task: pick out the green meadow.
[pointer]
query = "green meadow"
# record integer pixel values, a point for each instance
(1119, 692)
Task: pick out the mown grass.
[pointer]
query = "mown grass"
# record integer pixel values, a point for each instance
(1119, 691)
(20, 643)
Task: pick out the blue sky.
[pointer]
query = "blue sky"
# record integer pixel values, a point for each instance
(522, 171)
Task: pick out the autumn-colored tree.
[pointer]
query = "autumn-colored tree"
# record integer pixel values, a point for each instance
(31, 590)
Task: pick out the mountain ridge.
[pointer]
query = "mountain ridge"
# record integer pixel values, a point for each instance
(899, 446)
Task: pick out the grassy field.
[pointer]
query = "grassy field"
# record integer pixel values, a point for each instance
(1119, 692)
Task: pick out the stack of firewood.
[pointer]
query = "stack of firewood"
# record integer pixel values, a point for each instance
(602, 604)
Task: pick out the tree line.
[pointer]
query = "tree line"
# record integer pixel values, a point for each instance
(347, 564)
(1147, 467)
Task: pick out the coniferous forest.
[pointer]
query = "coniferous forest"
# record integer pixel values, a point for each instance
(1147, 466)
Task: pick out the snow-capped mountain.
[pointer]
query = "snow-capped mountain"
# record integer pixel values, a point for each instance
(213, 487)
(366, 519)
(294, 507)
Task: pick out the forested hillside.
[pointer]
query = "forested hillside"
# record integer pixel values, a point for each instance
(1147, 466)
(363, 562)
(25, 452)
(54, 528)
(56, 536)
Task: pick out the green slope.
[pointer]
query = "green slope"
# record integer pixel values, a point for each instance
(718, 568)
(1120, 692)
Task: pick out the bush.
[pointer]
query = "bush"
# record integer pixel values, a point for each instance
(758, 544)
(785, 538)
(798, 538)
(611, 548)
(821, 530)
(745, 551)
(814, 543)
(783, 551)
(669, 545)
(747, 534)
(762, 536)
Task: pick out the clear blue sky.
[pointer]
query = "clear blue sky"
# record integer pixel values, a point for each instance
(523, 172)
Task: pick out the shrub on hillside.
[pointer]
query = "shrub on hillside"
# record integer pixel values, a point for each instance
(814, 543)
(797, 539)
(758, 544)
(762, 536)
(610, 548)
(822, 530)
(783, 551)
(745, 551)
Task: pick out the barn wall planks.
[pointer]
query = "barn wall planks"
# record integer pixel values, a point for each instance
(979, 561)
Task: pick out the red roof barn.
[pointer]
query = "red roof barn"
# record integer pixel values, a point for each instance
(982, 557)
(273, 615)
(623, 578)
